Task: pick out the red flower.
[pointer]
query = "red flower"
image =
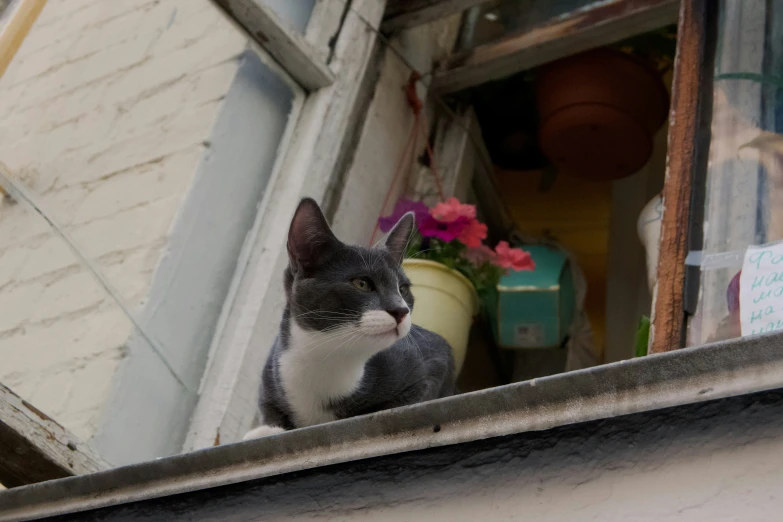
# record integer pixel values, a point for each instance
(480, 255)
(473, 234)
(513, 258)
(451, 210)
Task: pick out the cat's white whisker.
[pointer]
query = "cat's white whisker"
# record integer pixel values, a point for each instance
(366, 262)
(326, 340)
(350, 338)
(412, 342)
(324, 313)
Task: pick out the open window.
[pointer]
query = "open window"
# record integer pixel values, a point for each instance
(532, 128)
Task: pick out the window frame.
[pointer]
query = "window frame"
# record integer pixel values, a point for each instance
(686, 164)
(125, 405)
(289, 48)
(320, 142)
(594, 25)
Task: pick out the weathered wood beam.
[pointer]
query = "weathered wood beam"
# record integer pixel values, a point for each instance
(321, 149)
(404, 14)
(15, 23)
(689, 138)
(34, 448)
(325, 21)
(464, 163)
(595, 25)
(287, 47)
(455, 159)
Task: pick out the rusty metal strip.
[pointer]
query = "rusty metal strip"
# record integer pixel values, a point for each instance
(688, 146)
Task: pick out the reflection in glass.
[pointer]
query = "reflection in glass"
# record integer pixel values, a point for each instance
(743, 188)
(494, 20)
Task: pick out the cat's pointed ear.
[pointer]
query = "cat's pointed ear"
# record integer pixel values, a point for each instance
(309, 236)
(399, 236)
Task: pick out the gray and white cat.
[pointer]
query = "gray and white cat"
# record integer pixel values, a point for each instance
(346, 344)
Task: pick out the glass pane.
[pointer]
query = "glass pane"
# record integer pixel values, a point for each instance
(499, 18)
(743, 203)
(295, 13)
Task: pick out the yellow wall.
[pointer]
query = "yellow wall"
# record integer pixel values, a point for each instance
(575, 213)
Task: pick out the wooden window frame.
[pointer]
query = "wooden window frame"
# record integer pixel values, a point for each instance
(319, 144)
(288, 47)
(689, 142)
(595, 25)
(115, 441)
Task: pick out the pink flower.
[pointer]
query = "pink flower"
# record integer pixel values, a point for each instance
(473, 234)
(451, 209)
(480, 255)
(444, 231)
(513, 258)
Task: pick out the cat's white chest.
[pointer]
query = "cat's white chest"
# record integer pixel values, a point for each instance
(318, 367)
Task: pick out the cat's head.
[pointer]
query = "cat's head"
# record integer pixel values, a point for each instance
(338, 290)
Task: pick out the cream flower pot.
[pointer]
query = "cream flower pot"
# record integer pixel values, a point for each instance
(446, 303)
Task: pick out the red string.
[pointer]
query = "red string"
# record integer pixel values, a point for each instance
(415, 104)
(433, 165)
(411, 166)
(413, 97)
(397, 173)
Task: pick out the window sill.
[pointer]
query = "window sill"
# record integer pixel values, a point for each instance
(672, 379)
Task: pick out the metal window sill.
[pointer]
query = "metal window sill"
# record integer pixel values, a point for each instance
(676, 378)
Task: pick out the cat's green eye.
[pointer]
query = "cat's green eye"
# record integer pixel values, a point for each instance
(362, 284)
(405, 290)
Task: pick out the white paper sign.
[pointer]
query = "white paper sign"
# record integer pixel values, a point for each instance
(761, 290)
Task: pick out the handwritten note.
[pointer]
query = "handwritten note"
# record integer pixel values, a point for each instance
(761, 290)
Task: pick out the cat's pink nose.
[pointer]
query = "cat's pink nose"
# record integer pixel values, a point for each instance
(398, 314)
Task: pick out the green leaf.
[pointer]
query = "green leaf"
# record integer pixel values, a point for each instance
(484, 277)
(642, 336)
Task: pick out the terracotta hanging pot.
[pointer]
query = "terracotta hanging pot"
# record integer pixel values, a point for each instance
(599, 112)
